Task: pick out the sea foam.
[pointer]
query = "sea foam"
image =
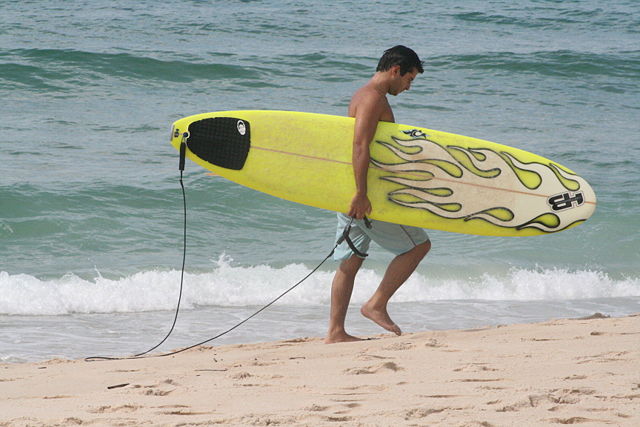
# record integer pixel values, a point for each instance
(237, 286)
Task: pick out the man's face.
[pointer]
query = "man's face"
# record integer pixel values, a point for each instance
(401, 83)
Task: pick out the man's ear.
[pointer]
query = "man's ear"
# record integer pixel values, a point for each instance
(395, 70)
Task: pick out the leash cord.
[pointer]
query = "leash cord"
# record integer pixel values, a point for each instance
(254, 314)
(145, 354)
(184, 258)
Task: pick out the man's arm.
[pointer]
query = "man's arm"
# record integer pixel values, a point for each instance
(367, 115)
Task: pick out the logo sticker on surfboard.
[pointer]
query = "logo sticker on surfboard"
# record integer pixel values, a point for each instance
(242, 128)
(415, 133)
(566, 200)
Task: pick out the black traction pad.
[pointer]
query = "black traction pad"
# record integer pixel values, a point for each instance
(221, 141)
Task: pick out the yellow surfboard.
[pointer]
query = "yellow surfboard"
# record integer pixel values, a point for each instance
(417, 176)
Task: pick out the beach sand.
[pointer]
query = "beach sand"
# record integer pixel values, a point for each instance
(582, 371)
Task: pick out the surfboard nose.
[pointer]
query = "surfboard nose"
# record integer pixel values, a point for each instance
(590, 199)
(574, 207)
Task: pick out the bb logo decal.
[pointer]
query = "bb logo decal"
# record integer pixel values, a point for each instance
(415, 133)
(566, 200)
(242, 128)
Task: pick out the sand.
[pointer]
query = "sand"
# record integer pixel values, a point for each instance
(580, 371)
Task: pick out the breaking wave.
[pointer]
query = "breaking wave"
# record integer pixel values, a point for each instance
(236, 286)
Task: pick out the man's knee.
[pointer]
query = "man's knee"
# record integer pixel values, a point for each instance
(351, 265)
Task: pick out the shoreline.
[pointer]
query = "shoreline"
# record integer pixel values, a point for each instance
(561, 371)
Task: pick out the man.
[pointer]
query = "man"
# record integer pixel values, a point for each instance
(397, 68)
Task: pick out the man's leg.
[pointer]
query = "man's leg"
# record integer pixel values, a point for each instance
(341, 290)
(397, 273)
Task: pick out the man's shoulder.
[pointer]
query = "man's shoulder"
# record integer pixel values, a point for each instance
(367, 95)
(370, 102)
(369, 91)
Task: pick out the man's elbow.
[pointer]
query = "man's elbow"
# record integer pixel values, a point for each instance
(361, 143)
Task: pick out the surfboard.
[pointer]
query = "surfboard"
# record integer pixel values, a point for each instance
(417, 176)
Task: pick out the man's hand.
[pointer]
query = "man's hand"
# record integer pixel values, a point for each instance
(360, 206)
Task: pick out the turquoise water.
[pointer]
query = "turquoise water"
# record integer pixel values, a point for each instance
(91, 209)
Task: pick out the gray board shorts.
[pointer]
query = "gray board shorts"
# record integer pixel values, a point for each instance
(395, 238)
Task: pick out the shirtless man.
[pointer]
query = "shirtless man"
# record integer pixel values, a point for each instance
(397, 68)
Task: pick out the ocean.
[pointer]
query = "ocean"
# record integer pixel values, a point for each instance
(91, 206)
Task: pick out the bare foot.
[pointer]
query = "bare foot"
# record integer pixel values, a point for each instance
(333, 338)
(381, 317)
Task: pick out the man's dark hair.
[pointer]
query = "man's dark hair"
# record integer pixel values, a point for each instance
(400, 55)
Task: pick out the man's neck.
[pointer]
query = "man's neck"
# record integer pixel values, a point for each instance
(380, 83)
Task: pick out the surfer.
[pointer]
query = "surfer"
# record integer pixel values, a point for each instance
(396, 70)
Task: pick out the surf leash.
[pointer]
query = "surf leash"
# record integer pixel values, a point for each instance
(344, 237)
(183, 151)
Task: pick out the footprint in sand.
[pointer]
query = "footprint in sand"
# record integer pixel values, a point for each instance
(422, 412)
(434, 343)
(316, 408)
(179, 410)
(183, 412)
(399, 346)
(112, 409)
(475, 367)
(611, 356)
(391, 366)
(555, 397)
(575, 420)
(160, 388)
(364, 356)
(339, 419)
(240, 375)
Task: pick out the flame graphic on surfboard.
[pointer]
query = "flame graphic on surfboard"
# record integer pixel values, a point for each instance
(455, 182)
